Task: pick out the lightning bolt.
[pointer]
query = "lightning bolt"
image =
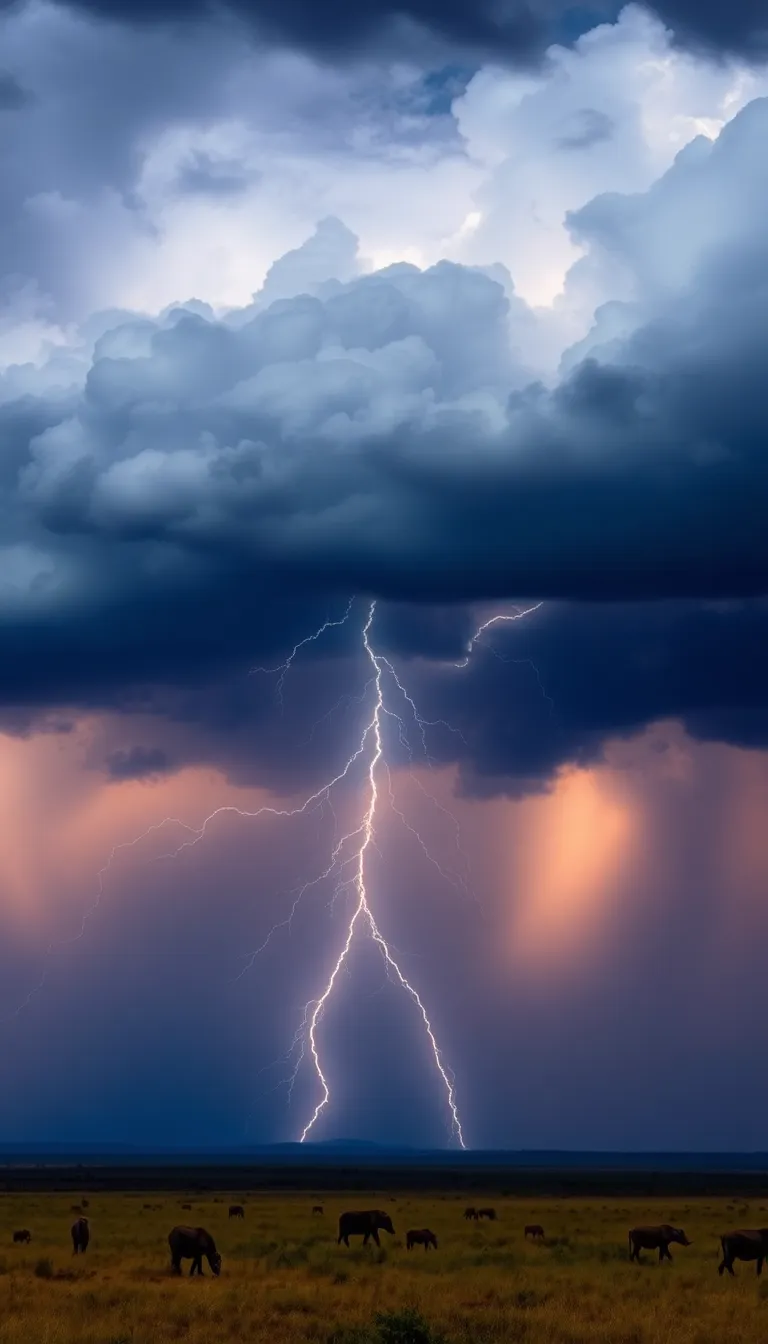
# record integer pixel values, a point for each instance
(517, 615)
(284, 668)
(350, 852)
(362, 915)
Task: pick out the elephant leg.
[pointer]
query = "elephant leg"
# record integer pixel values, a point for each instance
(375, 1236)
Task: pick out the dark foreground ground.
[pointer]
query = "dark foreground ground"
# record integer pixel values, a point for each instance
(285, 1280)
(560, 1175)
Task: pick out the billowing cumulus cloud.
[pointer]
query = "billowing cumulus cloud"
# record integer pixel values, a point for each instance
(608, 114)
(382, 436)
(210, 157)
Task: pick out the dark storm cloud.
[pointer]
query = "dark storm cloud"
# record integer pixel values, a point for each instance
(741, 27)
(517, 29)
(542, 693)
(379, 437)
(217, 488)
(336, 26)
(552, 689)
(137, 763)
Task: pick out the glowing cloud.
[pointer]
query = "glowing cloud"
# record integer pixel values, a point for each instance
(569, 849)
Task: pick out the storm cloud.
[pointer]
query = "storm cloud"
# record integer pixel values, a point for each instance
(186, 496)
(517, 29)
(381, 437)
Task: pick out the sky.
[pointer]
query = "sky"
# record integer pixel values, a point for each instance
(438, 332)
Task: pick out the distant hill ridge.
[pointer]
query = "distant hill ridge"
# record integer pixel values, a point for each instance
(368, 1153)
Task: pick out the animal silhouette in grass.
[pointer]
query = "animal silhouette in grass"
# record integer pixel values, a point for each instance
(192, 1243)
(366, 1223)
(656, 1238)
(81, 1235)
(420, 1237)
(745, 1244)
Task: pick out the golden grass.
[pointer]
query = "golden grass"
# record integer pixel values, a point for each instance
(285, 1280)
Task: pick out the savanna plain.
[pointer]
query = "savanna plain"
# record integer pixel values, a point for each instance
(285, 1280)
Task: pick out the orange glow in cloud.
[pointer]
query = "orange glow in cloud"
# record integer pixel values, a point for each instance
(745, 844)
(563, 858)
(61, 822)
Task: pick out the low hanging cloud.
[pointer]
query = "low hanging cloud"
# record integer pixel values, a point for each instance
(537, 695)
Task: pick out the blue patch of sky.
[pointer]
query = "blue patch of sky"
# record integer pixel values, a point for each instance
(440, 87)
(579, 19)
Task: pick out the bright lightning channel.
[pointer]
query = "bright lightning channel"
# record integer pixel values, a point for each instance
(517, 615)
(362, 913)
(359, 841)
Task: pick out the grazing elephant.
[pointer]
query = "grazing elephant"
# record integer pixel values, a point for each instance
(655, 1238)
(186, 1206)
(81, 1235)
(317, 1208)
(746, 1244)
(487, 1213)
(420, 1237)
(471, 1213)
(236, 1211)
(534, 1230)
(192, 1243)
(365, 1224)
(23, 1235)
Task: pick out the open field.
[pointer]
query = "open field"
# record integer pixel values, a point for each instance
(285, 1280)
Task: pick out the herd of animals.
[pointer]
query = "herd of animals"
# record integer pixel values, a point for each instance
(196, 1244)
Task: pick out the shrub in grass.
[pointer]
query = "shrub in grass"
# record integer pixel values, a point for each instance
(404, 1327)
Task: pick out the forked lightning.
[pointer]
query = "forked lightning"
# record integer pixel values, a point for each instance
(350, 852)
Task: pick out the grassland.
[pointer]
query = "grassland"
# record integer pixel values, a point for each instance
(284, 1279)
